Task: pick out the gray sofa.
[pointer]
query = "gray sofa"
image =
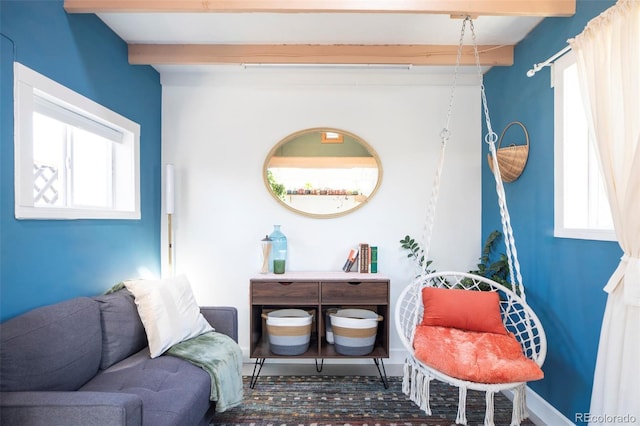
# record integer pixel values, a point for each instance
(85, 362)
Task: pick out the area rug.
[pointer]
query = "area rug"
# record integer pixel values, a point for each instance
(352, 400)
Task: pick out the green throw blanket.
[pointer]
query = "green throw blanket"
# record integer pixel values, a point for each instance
(221, 357)
(217, 354)
(115, 288)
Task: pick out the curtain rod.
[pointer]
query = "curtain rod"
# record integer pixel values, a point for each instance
(537, 67)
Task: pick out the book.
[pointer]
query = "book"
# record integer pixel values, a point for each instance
(364, 258)
(352, 258)
(373, 262)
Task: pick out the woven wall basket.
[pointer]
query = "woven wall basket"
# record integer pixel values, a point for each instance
(512, 158)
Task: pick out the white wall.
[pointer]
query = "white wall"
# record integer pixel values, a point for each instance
(218, 128)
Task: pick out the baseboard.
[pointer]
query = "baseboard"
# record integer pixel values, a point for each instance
(540, 411)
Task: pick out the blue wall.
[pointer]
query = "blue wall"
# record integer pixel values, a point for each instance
(563, 277)
(42, 262)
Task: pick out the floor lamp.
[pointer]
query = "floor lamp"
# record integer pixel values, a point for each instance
(170, 206)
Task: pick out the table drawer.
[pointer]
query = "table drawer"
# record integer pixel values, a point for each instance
(357, 292)
(284, 293)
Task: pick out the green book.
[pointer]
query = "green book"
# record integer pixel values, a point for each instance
(373, 252)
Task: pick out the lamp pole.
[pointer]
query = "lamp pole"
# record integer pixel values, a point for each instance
(170, 206)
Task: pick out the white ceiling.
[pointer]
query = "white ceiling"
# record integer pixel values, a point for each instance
(311, 28)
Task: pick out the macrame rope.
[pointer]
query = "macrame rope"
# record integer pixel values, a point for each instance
(444, 137)
(491, 138)
(519, 405)
(512, 253)
(406, 378)
(426, 395)
(461, 419)
(489, 404)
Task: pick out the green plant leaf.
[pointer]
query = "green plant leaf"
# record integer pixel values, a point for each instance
(497, 270)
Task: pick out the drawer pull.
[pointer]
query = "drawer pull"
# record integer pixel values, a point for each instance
(354, 282)
(285, 282)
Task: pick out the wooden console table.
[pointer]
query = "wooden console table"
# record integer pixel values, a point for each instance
(318, 291)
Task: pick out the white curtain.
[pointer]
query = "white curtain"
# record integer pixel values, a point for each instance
(608, 59)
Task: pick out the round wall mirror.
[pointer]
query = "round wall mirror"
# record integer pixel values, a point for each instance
(322, 172)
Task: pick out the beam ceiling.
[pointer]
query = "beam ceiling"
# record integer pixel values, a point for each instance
(186, 54)
(197, 54)
(447, 7)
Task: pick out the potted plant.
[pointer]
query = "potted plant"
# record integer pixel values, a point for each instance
(496, 270)
(276, 187)
(415, 252)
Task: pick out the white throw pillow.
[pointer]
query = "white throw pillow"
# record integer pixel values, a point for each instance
(168, 311)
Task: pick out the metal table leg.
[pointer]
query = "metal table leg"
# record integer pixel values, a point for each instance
(254, 377)
(381, 370)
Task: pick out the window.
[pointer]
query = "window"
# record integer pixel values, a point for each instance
(74, 159)
(332, 137)
(581, 205)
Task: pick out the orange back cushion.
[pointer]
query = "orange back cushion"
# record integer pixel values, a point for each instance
(462, 309)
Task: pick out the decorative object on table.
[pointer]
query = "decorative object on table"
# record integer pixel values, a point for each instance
(278, 266)
(364, 258)
(373, 259)
(513, 158)
(266, 254)
(355, 330)
(351, 260)
(169, 201)
(289, 331)
(278, 251)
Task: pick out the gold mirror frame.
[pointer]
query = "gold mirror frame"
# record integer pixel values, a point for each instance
(331, 138)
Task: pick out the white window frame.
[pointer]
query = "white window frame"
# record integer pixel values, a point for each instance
(30, 86)
(560, 230)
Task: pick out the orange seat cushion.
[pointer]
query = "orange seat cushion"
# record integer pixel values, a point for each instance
(473, 356)
(463, 309)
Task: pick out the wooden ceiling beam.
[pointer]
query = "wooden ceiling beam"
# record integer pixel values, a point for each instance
(198, 54)
(540, 8)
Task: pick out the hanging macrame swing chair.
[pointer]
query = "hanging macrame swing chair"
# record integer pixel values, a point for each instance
(519, 324)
